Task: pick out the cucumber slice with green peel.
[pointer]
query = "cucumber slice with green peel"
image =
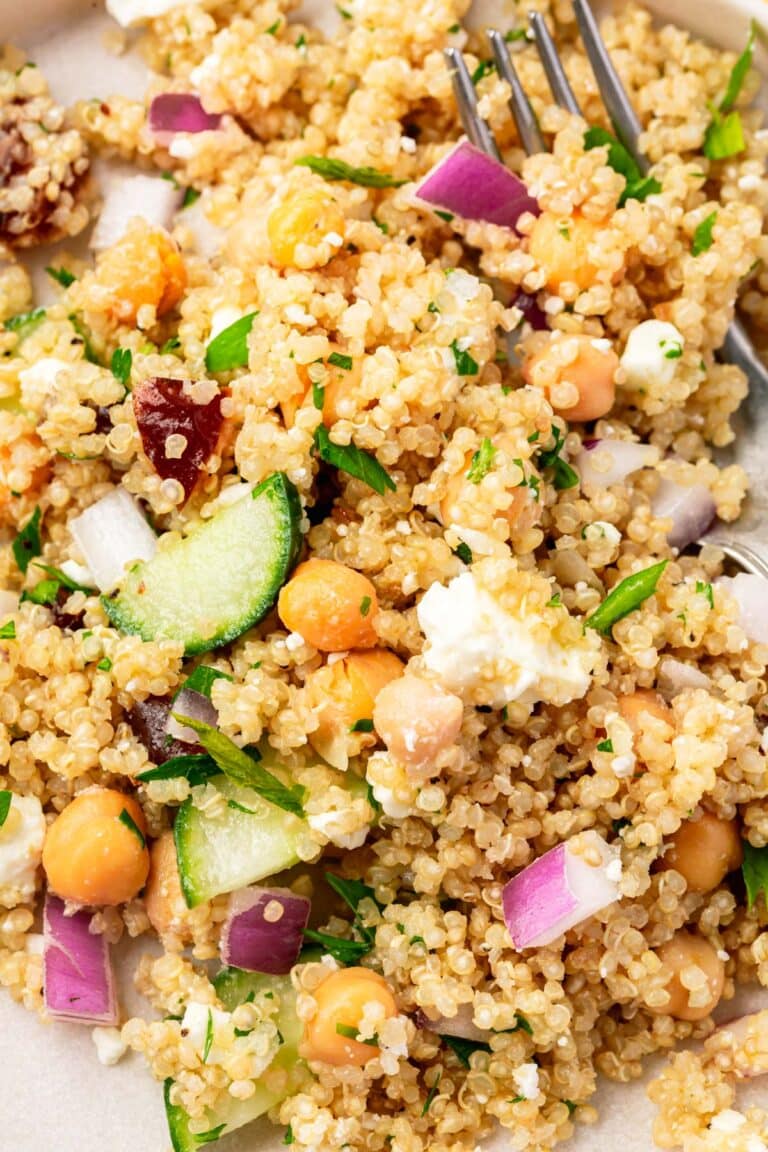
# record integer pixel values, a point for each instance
(248, 840)
(235, 986)
(210, 587)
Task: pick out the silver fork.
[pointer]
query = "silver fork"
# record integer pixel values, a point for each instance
(737, 541)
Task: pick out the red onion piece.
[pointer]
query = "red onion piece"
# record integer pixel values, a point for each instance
(461, 1025)
(690, 508)
(559, 891)
(477, 187)
(264, 929)
(78, 981)
(197, 707)
(112, 533)
(174, 112)
(531, 312)
(751, 594)
(602, 463)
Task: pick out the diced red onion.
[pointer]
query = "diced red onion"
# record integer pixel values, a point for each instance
(751, 594)
(173, 112)
(197, 707)
(461, 1025)
(605, 462)
(477, 187)
(77, 971)
(150, 197)
(690, 508)
(559, 891)
(529, 307)
(264, 929)
(675, 676)
(111, 534)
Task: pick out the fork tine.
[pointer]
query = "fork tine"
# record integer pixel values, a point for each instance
(622, 114)
(558, 81)
(519, 104)
(466, 98)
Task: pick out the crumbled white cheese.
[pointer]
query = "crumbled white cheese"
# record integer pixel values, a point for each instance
(38, 379)
(463, 285)
(479, 649)
(78, 573)
(651, 354)
(185, 145)
(723, 955)
(295, 314)
(408, 144)
(328, 824)
(526, 1078)
(602, 530)
(390, 804)
(195, 1026)
(223, 318)
(129, 12)
(294, 641)
(110, 1046)
(623, 766)
(727, 1121)
(21, 850)
(750, 182)
(755, 1144)
(613, 869)
(334, 239)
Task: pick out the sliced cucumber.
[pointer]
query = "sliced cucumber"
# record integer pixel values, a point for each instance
(233, 986)
(243, 844)
(210, 587)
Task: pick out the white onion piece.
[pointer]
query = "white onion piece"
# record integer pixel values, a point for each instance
(197, 707)
(111, 534)
(77, 971)
(150, 197)
(751, 1033)
(559, 891)
(208, 238)
(691, 510)
(605, 462)
(264, 929)
(751, 594)
(461, 1025)
(675, 676)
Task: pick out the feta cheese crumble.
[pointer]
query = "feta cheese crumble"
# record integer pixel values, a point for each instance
(651, 354)
(21, 850)
(526, 1077)
(110, 1046)
(495, 648)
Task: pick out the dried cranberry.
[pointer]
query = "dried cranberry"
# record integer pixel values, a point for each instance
(164, 410)
(529, 307)
(148, 720)
(71, 621)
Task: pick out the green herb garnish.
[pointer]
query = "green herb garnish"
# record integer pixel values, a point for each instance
(556, 601)
(88, 349)
(104, 665)
(288, 1138)
(365, 725)
(725, 134)
(754, 869)
(432, 1093)
(5, 805)
(8, 631)
(482, 462)
(339, 360)
(196, 768)
(464, 553)
(563, 475)
(171, 345)
(272, 30)
(348, 953)
(244, 769)
(208, 1036)
(203, 678)
(447, 216)
(706, 590)
(484, 68)
(120, 365)
(702, 237)
(466, 365)
(191, 196)
(318, 396)
(27, 544)
(605, 746)
(365, 605)
(353, 460)
(381, 225)
(570, 1106)
(238, 807)
(45, 592)
(464, 1048)
(638, 186)
(351, 1033)
(522, 1024)
(61, 276)
(229, 350)
(627, 596)
(129, 822)
(332, 169)
(25, 323)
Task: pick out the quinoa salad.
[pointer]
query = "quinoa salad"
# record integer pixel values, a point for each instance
(359, 652)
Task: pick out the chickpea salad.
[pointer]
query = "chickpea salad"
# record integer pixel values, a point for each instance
(358, 653)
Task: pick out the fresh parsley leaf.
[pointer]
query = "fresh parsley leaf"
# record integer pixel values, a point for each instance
(169, 176)
(619, 825)
(382, 226)
(301, 42)
(724, 136)
(62, 578)
(25, 323)
(350, 891)
(464, 1048)
(515, 34)
(332, 169)
(605, 746)
(348, 953)
(754, 869)
(482, 461)
(702, 237)
(353, 460)
(171, 345)
(627, 596)
(211, 1135)
(351, 1033)
(339, 360)
(244, 769)
(203, 678)
(120, 365)
(466, 365)
(104, 665)
(288, 1138)
(229, 349)
(454, 28)
(343, 12)
(61, 276)
(88, 349)
(447, 216)
(556, 601)
(638, 186)
(739, 71)
(44, 592)
(238, 807)
(318, 396)
(570, 1106)
(464, 553)
(191, 196)
(197, 769)
(484, 68)
(272, 30)
(365, 725)
(522, 1024)
(563, 475)
(8, 631)
(365, 605)
(432, 1093)
(673, 349)
(706, 590)
(129, 822)
(208, 1037)
(27, 544)
(5, 805)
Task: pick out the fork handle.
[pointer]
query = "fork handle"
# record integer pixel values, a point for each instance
(738, 349)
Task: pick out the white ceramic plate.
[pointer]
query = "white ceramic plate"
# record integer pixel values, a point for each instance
(54, 1095)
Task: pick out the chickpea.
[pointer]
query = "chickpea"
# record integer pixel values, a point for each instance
(683, 951)
(333, 607)
(305, 216)
(640, 703)
(704, 851)
(523, 511)
(163, 898)
(417, 719)
(90, 855)
(577, 373)
(339, 385)
(341, 1000)
(143, 268)
(560, 246)
(344, 693)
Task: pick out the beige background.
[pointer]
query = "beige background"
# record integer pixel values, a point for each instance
(54, 1095)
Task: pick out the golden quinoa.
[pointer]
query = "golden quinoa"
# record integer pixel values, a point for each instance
(434, 697)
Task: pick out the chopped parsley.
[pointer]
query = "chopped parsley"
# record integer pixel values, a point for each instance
(191, 196)
(120, 365)
(563, 476)
(706, 590)
(672, 349)
(339, 360)
(464, 553)
(570, 1106)
(288, 1138)
(129, 822)
(273, 28)
(466, 365)
(171, 345)
(61, 276)
(238, 807)
(605, 746)
(515, 34)
(5, 805)
(454, 28)
(638, 186)
(229, 349)
(301, 42)
(724, 136)
(105, 664)
(482, 462)
(432, 1094)
(25, 323)
(365, 605)
(447, 216)
(381, 225)
(348, 953)
(627, 596)
(27, 544)
(564, 230)
(754, 869)
(464, 1048)
(556, 601)
(195, 768)
(702, 237)
(88, 349)
(484, 68)
(45, 592)
(203, 678)
(353, 460)
(208, 1037)
(364, 725)
(331, 169)
(8, 631)
(351, 1033)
